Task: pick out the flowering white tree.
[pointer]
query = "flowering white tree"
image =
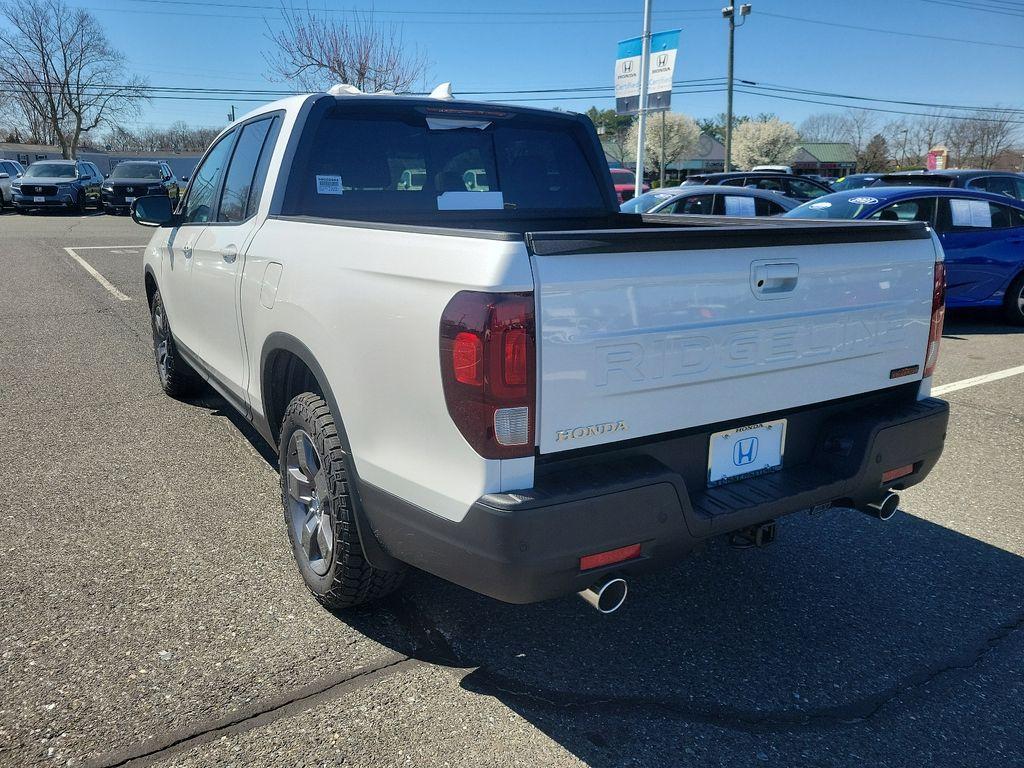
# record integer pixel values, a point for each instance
(770, 142)
(681, 137)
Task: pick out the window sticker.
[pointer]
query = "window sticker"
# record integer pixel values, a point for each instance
(971, 213)
(328, 185)
(737, 205)
(864, 200)
(470, 201)
(819, 206)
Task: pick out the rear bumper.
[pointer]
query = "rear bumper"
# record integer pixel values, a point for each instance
(525, 546)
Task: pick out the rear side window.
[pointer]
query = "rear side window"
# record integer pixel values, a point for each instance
(805, 189)
(407, 162)
(238, 185)
(963, 215)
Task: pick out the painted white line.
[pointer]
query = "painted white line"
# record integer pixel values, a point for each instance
(975, 381)
(99, 278)
(104, 247)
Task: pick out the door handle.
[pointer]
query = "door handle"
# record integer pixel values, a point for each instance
(775, 278)
(229, 253)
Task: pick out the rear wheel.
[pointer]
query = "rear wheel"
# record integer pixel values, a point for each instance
(1013, 304)
(317, 500)
(177, 378)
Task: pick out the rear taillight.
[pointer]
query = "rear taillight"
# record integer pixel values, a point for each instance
(938, 318)
(488, 370)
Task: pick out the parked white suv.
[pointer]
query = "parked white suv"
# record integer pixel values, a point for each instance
(9, 171)
(515, 386)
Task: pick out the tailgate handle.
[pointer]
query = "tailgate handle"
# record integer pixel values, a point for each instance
(770, 279)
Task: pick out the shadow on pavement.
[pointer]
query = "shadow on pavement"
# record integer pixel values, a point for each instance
(823, 629)
(977, 322)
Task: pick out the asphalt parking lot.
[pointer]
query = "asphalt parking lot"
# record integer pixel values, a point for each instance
(151, 612)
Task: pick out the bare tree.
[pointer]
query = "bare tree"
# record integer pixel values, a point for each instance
(825, 127)
(317, 50)
(64, 73)
(680, 137)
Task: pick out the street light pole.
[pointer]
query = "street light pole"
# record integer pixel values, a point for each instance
(729, 12)
(645, 65)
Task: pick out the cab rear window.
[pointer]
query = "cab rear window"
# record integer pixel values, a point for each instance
(386, 164)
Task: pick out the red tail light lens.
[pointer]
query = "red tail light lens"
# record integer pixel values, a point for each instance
(938, 319)
(488, 369)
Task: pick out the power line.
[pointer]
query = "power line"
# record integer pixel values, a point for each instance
(879, 109)
(997, 9)
(933, 105)
(901, 33)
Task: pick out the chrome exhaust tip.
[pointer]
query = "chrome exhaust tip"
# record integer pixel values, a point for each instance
(885, 507)
(606, 596)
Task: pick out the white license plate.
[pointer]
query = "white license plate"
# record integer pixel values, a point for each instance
(755, 449)
(129, 200)
(38, 199)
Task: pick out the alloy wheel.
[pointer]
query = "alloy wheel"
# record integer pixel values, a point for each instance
(308, 503)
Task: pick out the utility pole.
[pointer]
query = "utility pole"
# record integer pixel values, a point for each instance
(645, 66)
(729, 12)
(231, 114)
(661, 164)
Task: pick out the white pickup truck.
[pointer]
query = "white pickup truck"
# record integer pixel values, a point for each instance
(508, 383)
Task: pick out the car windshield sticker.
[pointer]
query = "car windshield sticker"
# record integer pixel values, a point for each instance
(822, 204)
(737, 205)
(971, 213)
(863, 200)
(328, 185)
(470, 201)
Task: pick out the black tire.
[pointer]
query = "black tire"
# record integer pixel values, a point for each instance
(317, 502)
(1013, 304)
(177, 378)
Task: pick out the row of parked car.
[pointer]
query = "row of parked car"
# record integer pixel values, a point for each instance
(77, 185)
(978, 217)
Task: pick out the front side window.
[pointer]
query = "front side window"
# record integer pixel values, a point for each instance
(239, 180)
(199, 206)
(805, 189)
(918, 209)
(386, 163)
(701, 205)
(646, 202)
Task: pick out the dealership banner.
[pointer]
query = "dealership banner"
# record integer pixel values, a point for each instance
(664, 46)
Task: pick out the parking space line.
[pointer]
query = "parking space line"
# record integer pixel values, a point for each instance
(100, 278)
(105, 247)
(976, 380)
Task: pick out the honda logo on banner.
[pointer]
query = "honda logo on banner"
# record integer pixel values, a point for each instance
(664, 46)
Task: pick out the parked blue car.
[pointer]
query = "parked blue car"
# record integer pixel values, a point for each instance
(981, 233)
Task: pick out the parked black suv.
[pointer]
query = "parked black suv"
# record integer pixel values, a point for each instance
(998, 182)
(64, 184)
(137, 178)
(797, 187)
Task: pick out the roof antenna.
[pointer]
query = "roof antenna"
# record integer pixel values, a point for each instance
(442, 92)
(343, 89)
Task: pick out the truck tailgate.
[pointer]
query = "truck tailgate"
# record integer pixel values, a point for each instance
(641, 332)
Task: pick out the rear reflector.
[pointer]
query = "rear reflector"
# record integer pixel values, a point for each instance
(610, 557)
(895, 474)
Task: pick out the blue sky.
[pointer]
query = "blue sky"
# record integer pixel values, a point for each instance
(483, 46)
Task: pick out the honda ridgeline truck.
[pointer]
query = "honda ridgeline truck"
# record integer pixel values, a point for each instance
(516, 387)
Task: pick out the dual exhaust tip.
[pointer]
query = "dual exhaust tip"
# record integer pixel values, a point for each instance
(609, 594)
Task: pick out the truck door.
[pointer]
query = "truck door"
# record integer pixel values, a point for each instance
(218, 255)
(186, 317)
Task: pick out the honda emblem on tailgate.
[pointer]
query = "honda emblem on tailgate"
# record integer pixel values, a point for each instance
(744, 452)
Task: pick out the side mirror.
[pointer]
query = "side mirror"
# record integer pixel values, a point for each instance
(184, 178)
(153, 211)
(106, 175)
